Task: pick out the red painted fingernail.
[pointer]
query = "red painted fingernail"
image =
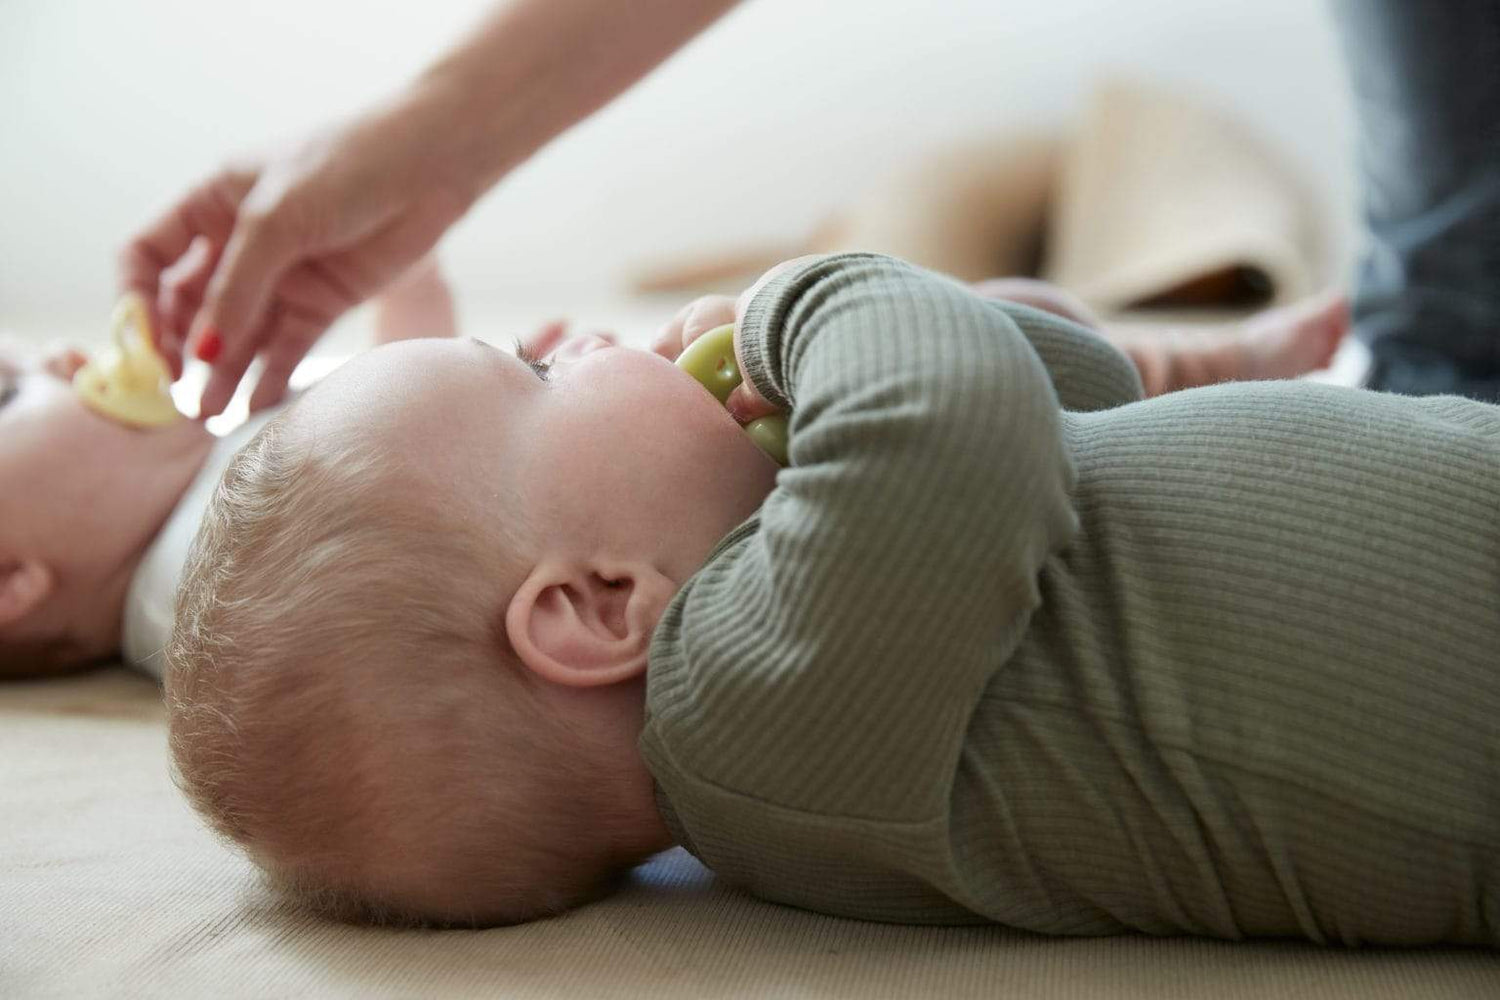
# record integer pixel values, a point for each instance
(209, 346)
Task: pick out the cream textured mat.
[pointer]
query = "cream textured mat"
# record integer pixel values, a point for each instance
(110, 888)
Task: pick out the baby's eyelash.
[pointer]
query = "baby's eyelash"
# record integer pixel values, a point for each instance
(531, 361)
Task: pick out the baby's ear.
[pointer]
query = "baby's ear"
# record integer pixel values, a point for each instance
(24, 585)
(580, 627)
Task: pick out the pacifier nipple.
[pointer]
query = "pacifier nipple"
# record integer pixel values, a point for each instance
(128, 381)
(710, 360)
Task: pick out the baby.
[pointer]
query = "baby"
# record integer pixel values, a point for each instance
(464, 636)
(98, 516)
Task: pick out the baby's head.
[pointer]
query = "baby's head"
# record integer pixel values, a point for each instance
(81, 496)
(407, 672)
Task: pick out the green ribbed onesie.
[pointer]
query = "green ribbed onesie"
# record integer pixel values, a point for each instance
(1009, 643)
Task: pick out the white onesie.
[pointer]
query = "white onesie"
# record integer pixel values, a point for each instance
(153, 588)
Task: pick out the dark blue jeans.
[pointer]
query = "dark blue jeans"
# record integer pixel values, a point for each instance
(1426, 76)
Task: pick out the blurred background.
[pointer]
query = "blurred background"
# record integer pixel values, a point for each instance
(751, 135)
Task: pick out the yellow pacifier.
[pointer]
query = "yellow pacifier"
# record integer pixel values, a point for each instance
(128, 381)
(710, 360)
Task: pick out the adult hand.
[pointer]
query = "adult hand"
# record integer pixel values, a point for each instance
(288, 242)
(262, 257)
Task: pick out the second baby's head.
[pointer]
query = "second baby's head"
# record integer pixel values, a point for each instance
(408, 667)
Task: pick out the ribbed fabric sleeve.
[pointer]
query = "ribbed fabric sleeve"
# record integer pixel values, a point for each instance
(1222, 662)
(1087, 371)
(884, 369)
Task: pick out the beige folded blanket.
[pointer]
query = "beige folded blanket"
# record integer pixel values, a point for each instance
(1152, 199)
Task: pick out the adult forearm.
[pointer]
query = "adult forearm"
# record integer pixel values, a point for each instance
(307, 232)
(533, 68)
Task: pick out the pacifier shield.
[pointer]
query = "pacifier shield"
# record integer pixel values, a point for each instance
(710, 359)
(128, 381)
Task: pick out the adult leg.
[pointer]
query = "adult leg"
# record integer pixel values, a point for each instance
(1427, 100)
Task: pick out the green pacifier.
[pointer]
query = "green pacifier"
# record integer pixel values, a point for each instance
(710, 360)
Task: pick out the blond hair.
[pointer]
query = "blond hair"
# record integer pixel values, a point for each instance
(344, 703)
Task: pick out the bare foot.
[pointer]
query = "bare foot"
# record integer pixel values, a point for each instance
(1277, 343)
(1296, 339)
(418, 304)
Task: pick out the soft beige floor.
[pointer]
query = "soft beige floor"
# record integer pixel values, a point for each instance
(110, 888)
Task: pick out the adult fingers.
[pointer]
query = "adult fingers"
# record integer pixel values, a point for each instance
(229, 367)
(254, 293)
(207, 210)
(183, 286)
(181, 296)
(289, 346)
(260, 249)
(371, 258)
(305, 303)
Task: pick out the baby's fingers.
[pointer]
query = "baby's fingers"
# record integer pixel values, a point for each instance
(746, 404)
(691, 322)
(668, 340)
(705, 314)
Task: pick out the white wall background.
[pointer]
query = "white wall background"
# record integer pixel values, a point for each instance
(109, 109)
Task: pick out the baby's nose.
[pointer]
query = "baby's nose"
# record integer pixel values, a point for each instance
(576, 347)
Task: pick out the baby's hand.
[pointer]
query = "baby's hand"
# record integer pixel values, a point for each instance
(746, 402)
(694, 320)
(691, 322)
